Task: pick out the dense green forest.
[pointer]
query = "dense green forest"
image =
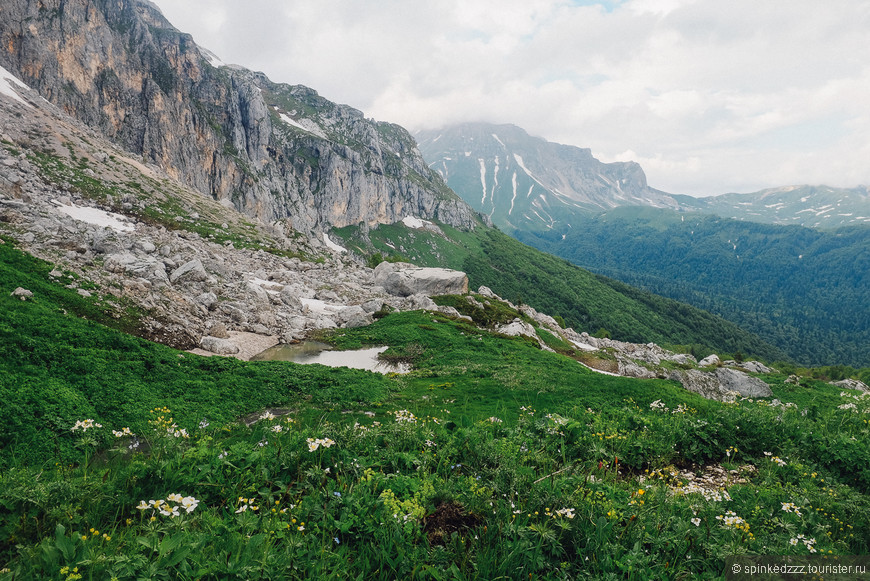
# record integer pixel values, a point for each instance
(587, 302)
(805, 291)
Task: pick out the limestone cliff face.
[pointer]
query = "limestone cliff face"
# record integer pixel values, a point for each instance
(275, 151)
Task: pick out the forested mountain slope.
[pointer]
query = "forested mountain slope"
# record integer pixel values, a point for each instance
(804, 290)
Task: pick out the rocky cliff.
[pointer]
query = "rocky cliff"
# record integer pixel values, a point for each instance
(275, 152)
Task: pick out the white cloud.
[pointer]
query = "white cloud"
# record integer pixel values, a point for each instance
(709, 96)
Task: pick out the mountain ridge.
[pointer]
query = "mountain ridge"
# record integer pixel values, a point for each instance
(228, 132)
(467, 157)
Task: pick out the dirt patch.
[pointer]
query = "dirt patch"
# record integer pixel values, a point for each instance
(448, 518)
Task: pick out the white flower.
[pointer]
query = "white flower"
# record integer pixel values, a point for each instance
(314, 443)
(790, 507)
(122, 432)
(174, 498)
(278, 428)
(143, 505)
(494, 420)
(267, 415)
(85, 425)
(696, 521)
(189, 503)
(566, 512)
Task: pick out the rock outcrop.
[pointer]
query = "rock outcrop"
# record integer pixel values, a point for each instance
(722, 384)
(403, 279)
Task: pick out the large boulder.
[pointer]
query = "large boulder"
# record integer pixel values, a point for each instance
(745, 385)
(851, 384)
(721, 384)
(219, 346)
(403, 280)
(192, 271)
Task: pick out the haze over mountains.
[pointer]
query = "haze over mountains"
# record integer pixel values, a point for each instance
(525, 182)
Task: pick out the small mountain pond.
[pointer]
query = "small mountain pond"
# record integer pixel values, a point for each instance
(317, 352)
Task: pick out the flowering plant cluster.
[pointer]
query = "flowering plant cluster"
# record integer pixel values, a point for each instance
(314, 443)
(171, 506)
(85, 425)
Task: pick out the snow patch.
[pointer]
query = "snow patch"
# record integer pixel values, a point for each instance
(514, 182)
(97, 217)
(522, 165)
(305, 125)
(332, 245)
(212, 58)
(7, 86)
(321, 307)
(417, 223)
(482, 179)
(499, 140)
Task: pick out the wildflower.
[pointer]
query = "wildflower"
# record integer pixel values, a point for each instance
(314, 443)
(203, 424)
(696, 521)
(566, 512)
(404, 416)
(336, 493)
(494, 420)
(791, 507)
(143, 505)
(300, 528)
(658, 405)
(223, 455)
(174, 498)
(277, 428)
(85, 425)
(170, 511)
(337, 542)
(122, 432)
(267, 415)
(189, 503)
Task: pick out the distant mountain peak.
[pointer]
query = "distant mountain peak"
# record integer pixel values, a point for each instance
(526, 182)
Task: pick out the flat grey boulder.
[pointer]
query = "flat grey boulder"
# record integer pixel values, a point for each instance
(191, 271)
(403, 280)
(851, 384)
(219, 346)
(721, 384)
(745, 385)
(756, 367)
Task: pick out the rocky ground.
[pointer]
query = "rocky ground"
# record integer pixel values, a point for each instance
(209, 279)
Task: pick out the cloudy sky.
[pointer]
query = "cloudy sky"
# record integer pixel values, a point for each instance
(709, 96)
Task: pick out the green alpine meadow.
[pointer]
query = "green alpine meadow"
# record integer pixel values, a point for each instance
(491, 459)
(248, 333)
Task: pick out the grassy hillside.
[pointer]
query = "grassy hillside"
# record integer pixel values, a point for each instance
(805, 291)
(491, 459)
(588, 302)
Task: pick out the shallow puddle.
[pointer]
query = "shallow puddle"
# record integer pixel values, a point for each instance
(316, 352)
